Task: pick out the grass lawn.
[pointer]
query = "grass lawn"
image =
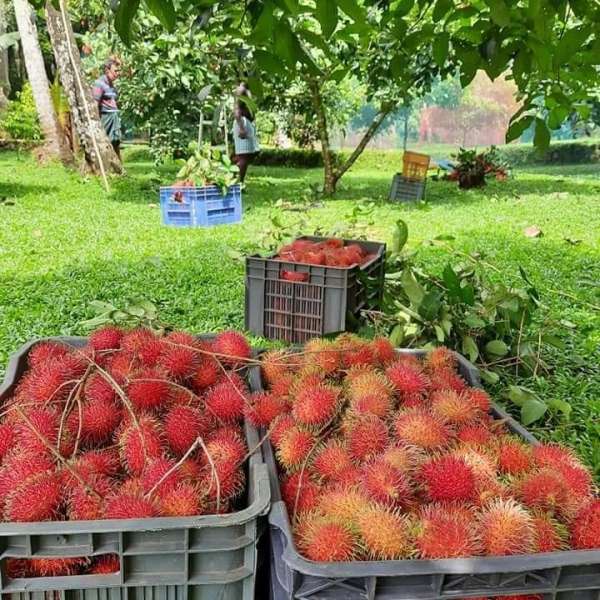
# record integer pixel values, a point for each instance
(64, 242)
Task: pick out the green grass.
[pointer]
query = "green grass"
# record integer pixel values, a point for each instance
(65, 242)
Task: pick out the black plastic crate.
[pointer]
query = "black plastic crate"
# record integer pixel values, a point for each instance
(567, 575)
(209, 557)
(405, 189)
(329, 301)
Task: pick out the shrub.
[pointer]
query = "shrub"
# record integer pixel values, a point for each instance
(20, 120)
(301, 158)
(567, 152)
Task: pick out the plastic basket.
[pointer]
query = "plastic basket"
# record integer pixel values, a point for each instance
(328, 301)
(568, 575)
(415, 165)
(200, 206)
(211, 557)
(405, 189)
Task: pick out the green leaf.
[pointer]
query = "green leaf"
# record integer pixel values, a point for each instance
(430, 305)
(541, 138)
(441, 9)
(399, 236)
(352, 9)
(412, 288)
(499, 12)
(439, 334)
(553, 340)
(441, 45)
(327, 15)
(474, 322)
(519, 395)
(403, 7)
(469, 348)
(265, 24)
(533, 410)
(560, 405)
(489, 376)
(397, 335)
(468, 294)
(517, 128)
(496, 348)
(570, 44)
(557, 116)
(124, 18)
(164, 11)
(452, 283)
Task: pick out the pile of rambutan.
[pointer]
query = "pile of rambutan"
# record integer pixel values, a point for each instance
(331, 252)
(385, 456)
(132, 425)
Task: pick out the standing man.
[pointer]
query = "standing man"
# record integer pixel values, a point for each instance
(106, 96)
(244, 132)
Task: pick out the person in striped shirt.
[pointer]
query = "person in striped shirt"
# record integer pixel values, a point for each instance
(106, 96)
(244, 133)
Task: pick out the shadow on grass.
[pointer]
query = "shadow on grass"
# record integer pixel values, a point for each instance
(18, 190)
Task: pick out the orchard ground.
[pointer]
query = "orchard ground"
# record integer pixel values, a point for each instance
(64, 242)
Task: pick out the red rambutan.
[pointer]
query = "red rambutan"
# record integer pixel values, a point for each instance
(476, 434)
(355, 352)
(155, 472)
(36, 498)
(506, 528)
(325, 539)
(282, 424)
(98, 462)
(300, 490)
(226, 401)
(227, 444)
(447, 379)
(294, 447)
(479, 398)
(179, 361)
(19, 466)
(322, 354)
(548, 534)
(585, 529)
(56, 567)
(367, 437)
(263, 408)
(344, 504)
(106, 338)
(373, 390)
(121, 365)
(138, 445)
(8, 439)
(386, 484)
(274, 364)
(51, 381)
(149, 389)
(125, 505)
(86, 503)
(514, 457)
(448, 479)
(225, 482)
(183, 500)
(544, 490)
(183, 425)
(331, 460)
(383, 350)
(405, 458)
(107, 564)
(98, 388)
(577, 480)
(384, 533)
(440, 358)
(282, 388)
(206, 374)
(454, 408)
(98, 420)
(422, 429)
(447, 531)
(232, 348)
(407, 379)
(45, 352)
(40, 428)
(16, 568)
(315, 405)
(553, 455)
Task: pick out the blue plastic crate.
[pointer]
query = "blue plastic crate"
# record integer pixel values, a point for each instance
(200, 206)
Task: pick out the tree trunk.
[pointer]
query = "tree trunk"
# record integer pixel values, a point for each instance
(329, 179)
(4, 79)
(36, 72)
(99, 153)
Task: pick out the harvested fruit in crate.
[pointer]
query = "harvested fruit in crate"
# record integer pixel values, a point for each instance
(331, 252)
(129, 426)
(383, 456)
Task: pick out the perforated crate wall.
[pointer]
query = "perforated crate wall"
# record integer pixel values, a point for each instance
(405, 189)
(200, 206)
(210, 557)
(331, 297)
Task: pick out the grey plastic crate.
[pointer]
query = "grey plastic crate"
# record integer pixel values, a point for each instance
(329, 301)
(568, 575)
(405, 189)
(211, 557)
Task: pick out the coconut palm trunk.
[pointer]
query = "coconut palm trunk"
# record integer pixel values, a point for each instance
(54, 145)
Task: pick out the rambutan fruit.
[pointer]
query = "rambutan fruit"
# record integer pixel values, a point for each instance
(386, 484)
(585, 528)
(226, 401)
(544, 490)
(506, 528)
(325, 539)
(133, 341)
(36, 498)
(57, 567)
(322, 354)
(179, 361)
(440, 358)
(479, 398)
(226, 482)
(448, 479)
(183, 425)
(414, 401)
(227, 444)
(98, 462)
(474, 434)
(281, 425)
(155, 472)
(19, 466)
(331, 460)
(315, 405)
(16, 568)
(190, 470)
(422, 429)
(45, 352)
(520, 597)
(355, 351)
(263, 408)
(404, 458)
(373, 386)
(126, 505)
(577, 480)
(344, 504)
(107, 564)
(39, 429)
(347, 478)
(106, 338)
(97, 421)
(384, 533)
(548, 534)
(367, 437)
(553, 455)
(300, 490)
(51, 381)
(85, 505)
(232, 348)
(514, 457)
(383, 351)
(206, 374)
(8, 439)
(98, 388)
(447, 379)
(138, 445)
(282, 388)
(407, 379)
(376, 405)
(149, 389)
(454, 408)
(447, 531)
(121, 366)
(183, 500)
(274, 364)
(294, 447)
